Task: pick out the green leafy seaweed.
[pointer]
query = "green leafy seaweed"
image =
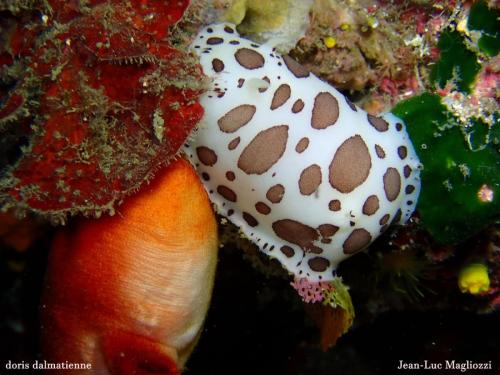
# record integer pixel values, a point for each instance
(456, 62)
(487, 21)
(461, 175)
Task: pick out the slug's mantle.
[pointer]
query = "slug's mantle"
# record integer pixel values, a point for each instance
(307, 175)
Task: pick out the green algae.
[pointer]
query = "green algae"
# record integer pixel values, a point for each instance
(461, 175)
(457, 64)
(487, 22)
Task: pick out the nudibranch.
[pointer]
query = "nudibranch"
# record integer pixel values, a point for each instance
(128, 294)
(306, 174)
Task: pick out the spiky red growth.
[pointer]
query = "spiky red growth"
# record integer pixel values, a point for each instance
(109, 100)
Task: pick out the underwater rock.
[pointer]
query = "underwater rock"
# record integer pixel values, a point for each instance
(308, 176)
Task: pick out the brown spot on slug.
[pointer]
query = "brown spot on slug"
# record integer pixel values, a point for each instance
(234, 143)
(379, 151)
(249, 59)
(217, 65)
(371, 205)
(334, 205)
(302, 145)
(318, 264)
(310, 179)
(297, 233)
(281, 95)
(350, 165)
(227, 193)
(402, 152)
(378, 123)
(264, 150)
(357, 240)
(327, 230)
(297, 70)
(262, 208)
(392, 184)
(325, 111)
(275, 193)
(409, 189)
(406, 171)
(384, 219)
(250, 219)
(236, 118)
(288, 251)
(206, 155)
(214, 40)
(297, 106)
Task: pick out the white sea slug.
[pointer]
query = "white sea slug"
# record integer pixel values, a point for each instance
(306, 175)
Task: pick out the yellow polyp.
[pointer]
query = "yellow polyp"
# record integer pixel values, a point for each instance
(474, 279)
(372, 22)
(345, 26)
(330, 42)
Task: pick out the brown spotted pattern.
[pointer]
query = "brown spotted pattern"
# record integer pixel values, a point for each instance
(378, 123)
(288, 251)
(297, 233)
(214, 41)
(297, 70)
(302, 145)
(357, 240)
(227, 193)
(249, 58)
(262, 208)
(252, 221)
(327, 231)
(392, 184)
(379, 151)
(236, 118)
(406, 171)
(334, 205)
(310, 179)
(206, 155)
(409, 189)
(275, 193)
(264, 150)
(217, 65)
(325, 137)
(298, 106)
(234, 143)
(384, 219)
(371, 205)
(402, 152)
(318, 264)
(350, 165)
(281, 95)
(325, 111)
